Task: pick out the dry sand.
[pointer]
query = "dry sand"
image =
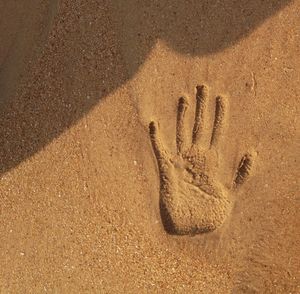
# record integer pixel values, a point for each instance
(87, 204)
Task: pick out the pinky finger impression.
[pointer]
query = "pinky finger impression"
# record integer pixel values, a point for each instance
(159, 151)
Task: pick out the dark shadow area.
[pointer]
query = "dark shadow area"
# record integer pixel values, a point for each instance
(83, 60)
(24, 27)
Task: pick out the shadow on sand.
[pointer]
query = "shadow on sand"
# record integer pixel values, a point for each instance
(82, 61)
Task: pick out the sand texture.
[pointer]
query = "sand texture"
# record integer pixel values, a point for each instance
(149, 146)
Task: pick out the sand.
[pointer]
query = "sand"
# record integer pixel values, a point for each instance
(118, 175)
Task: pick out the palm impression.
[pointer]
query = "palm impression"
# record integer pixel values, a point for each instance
(192, 200)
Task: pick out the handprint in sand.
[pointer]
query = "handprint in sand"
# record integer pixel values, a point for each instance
(192, 200)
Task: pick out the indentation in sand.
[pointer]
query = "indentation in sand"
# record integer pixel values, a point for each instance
(192, 200)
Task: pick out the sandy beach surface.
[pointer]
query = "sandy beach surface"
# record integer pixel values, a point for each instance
(149, 146)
